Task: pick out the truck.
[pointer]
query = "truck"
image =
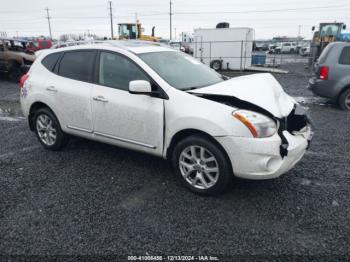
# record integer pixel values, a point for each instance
(328, 33)
(134, 31)
(224, 48)
(38, 44)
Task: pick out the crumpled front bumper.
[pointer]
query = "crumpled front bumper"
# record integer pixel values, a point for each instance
(260, 158)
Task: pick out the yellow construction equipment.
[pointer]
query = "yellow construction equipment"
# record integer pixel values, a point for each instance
(134, 31)
(327, 33)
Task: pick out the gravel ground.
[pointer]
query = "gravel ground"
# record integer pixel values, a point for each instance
(94, 199)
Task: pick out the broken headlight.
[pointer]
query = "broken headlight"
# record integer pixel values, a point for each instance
(258, 124)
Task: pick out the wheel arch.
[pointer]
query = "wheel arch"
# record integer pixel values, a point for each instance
(344, 89)
(180, 135)
(33, 108)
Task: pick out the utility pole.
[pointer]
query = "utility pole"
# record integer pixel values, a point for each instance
(136, 27)
(299, 31)
(111, 16)
(48, 20)
(171, 20)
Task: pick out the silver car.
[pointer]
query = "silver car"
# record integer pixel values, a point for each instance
(332, 74)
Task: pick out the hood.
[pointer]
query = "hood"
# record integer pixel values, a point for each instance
(262, 90)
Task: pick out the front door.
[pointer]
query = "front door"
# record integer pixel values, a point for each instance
(124, 119)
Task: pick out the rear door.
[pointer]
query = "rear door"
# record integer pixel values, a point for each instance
(121, 118)
(70, 89)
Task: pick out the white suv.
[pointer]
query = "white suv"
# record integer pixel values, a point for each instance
(163, 102)
(285, 48)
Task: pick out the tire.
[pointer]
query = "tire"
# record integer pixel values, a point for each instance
(50, 128)
(192, 170)
(216, 65)
(344, 100)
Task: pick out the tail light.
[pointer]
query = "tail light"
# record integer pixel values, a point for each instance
(324, 72)
(24, 78)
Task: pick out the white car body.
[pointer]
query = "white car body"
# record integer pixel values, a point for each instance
(149, 124)
(305, 50)
(286, 47)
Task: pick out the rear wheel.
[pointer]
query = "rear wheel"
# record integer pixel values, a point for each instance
(216, 65)
(201, 165)
(48, 130)
(344, 100)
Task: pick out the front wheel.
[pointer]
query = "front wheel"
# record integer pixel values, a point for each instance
(48, 130)
(201, 165)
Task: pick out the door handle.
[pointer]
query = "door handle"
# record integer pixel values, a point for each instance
(100, 99)
(51, 89)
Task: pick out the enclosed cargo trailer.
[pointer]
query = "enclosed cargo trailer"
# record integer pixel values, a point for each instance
(231, 48)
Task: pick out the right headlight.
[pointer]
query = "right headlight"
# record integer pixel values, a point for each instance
(258, 124)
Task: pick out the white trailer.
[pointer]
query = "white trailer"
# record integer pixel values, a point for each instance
(229, 48)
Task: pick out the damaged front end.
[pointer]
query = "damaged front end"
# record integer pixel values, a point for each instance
(295, 123)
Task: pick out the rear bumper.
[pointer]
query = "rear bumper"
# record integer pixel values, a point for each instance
(259, 159)
(323, 88)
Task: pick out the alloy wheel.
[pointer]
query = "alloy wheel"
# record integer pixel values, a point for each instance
(46, 132)
(199, 167)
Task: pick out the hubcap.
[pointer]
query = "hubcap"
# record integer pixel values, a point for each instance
(199, 167)
(47, 133)
(216, 66)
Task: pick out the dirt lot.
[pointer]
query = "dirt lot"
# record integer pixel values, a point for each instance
(94, 199)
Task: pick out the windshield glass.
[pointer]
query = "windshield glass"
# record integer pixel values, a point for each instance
(181, 71)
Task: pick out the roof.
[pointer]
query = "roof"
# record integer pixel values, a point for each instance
(15, 40)
(340, 43)
(134, 46)
(138, 47)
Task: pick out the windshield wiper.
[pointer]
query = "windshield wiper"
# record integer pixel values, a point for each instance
(191, 88)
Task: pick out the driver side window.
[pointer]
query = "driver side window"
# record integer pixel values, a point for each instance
(117, 71)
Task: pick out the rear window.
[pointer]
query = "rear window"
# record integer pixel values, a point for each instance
(345, 56)
(77, 65)
(325, 53)
(50, 61)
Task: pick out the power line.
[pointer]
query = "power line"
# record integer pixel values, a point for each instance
(48, 20)
(111, 17)
(261, 11)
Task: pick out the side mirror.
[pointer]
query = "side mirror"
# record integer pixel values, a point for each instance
(344, 27)
(140, 87)
(313, 28)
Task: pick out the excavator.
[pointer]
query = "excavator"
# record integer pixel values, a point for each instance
(134, 31)
(328, 33)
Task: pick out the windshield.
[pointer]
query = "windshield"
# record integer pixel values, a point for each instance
(329, 30)
(181, 71)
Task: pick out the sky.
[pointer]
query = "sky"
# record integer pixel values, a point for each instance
(268, 17)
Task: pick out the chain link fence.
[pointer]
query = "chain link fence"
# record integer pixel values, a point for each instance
(244, 55)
